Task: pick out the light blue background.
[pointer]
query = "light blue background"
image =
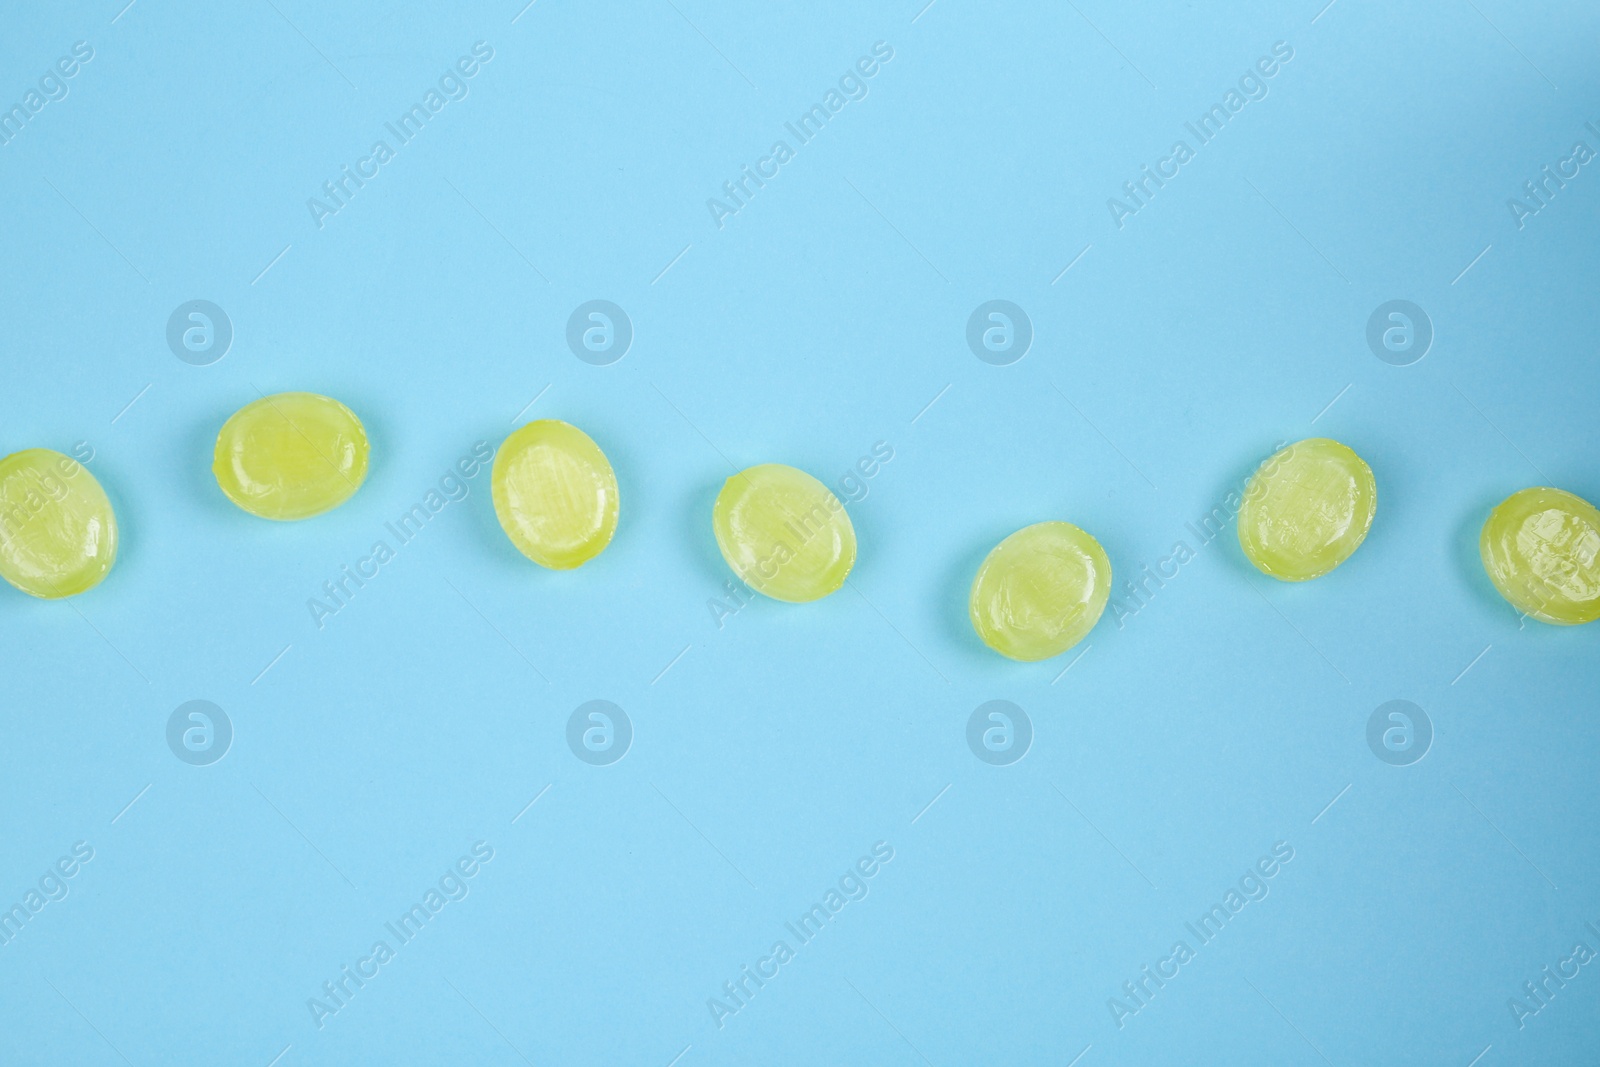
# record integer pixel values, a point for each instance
(772, 752)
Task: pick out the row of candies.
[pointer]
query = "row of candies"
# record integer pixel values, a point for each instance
(1306, 509)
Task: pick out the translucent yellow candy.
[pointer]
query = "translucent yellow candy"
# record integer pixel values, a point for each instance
(1541, 549)
(1306, 509)
(555, 494)
(783, 533)
(58, 535)
(291, 456)
(1040, 591)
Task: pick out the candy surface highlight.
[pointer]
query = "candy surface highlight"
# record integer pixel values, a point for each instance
(555, 494)
(1306, 509)
(784, 533)
(58, 534)
(291, 456)
(1040, 591)
(1541, 549)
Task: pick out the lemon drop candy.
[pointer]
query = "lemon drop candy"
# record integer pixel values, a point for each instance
(1541, 549)
(1306, 509)
(58, 534)
(784, 533)
(555, 494)
(1040, 591)
(291, 456)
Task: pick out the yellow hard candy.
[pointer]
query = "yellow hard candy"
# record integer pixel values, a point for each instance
(555, 494)
(1541, 549)
(784, 533)
(1306, 509)
(58, 534)
(291, 456)
(1040, 591)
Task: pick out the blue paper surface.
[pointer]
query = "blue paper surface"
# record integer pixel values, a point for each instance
(1184, 312)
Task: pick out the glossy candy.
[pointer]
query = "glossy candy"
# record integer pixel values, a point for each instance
(1306, 509)
(784, 533)
(1541, 549)
(1040, 591)
(291, 456)
(58, 534)
(555, 494)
